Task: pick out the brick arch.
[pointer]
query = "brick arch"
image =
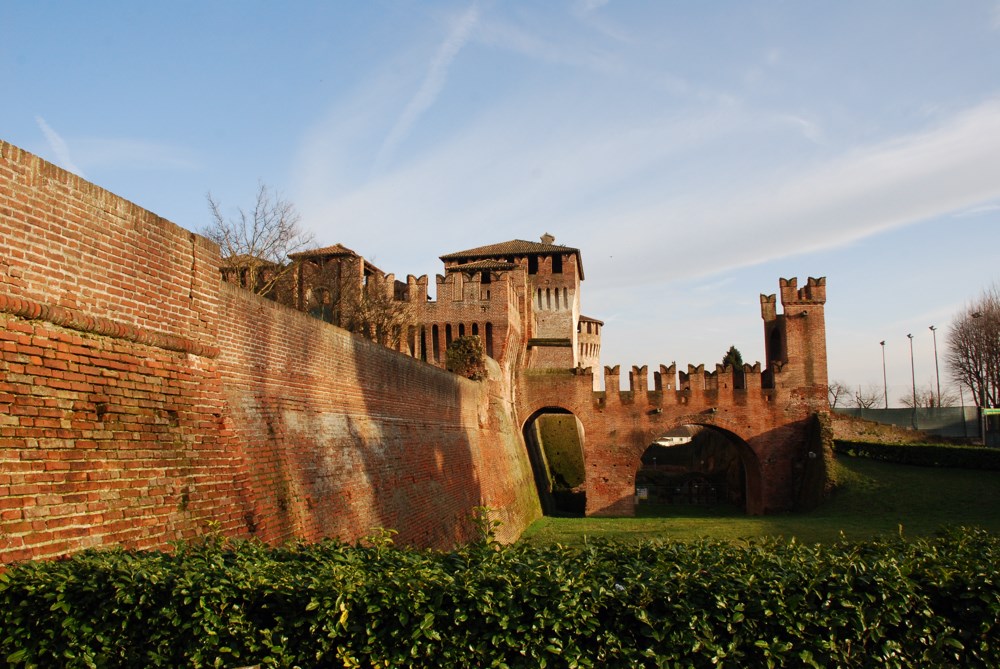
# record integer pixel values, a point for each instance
(754, 501)
(549, 505)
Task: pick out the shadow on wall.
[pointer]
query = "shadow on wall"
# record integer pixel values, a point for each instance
(416, 437)
(344, 436)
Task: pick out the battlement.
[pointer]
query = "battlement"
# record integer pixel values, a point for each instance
(814, 292)
(669, 379)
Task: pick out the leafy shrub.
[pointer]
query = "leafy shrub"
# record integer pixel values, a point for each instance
(925, 455)
(885, 603)
(467, 357)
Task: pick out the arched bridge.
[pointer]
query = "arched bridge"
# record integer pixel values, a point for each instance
(772, 415)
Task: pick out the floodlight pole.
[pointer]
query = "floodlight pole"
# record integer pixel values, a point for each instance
(885, 383)
(937, 371)
(913, 377)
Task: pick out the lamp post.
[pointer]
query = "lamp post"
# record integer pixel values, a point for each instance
(885, 384)
(913, 378)
(937, 371)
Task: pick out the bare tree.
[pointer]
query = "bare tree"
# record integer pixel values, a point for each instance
(973, 354)
(837, 391)
(869, 397)
(255, 244)
(927, 398)
(375, 313)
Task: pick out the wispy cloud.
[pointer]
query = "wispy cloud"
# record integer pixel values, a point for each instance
(588, 6)
(865, 192)
(58, 146)
(136, 154)
(433, 83)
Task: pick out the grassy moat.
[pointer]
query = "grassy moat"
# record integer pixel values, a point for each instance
(872, 499)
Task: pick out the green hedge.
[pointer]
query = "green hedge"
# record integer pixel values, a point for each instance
(887, 603)
(924, 455)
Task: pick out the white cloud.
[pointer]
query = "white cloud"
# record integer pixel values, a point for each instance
(58, 147)
(433, 83)
(862, 193)
(135, 154)
(588, 6)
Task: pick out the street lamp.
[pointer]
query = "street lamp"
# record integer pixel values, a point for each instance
(937, 372)
(885, 384)
(913, 377)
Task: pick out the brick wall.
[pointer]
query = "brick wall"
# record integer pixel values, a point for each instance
(342, 435)
(142, 401)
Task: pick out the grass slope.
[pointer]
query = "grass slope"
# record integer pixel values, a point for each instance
(874, 499)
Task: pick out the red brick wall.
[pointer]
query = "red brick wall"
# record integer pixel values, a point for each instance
(343, 435)
(142, 401)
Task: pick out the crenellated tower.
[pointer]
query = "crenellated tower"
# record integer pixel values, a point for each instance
(795, 340)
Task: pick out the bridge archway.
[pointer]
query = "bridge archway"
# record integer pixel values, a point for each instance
(699, 462)
(555, 439)
(696, 465)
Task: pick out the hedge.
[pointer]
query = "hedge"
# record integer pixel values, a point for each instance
(924, 455)
(883, 603)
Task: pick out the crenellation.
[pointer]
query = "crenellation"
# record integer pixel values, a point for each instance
(638, 379)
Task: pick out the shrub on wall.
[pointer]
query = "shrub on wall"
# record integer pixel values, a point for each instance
(887, 603)
(467, 357)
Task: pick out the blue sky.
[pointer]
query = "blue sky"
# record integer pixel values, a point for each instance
(694, 152)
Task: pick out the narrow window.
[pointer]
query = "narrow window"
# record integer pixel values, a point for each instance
(435, 343)
(475, 329)
(461, 329)
(447, 335)
(557, 264)
(489, 339)
(532, 264)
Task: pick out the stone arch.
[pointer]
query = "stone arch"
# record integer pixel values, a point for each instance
(556, 450)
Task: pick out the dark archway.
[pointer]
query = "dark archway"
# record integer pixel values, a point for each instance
(695, 465)
(554, 438)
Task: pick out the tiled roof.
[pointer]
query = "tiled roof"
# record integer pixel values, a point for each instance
(588, 319)
(515, 247)
(335, 250)
(483, 266)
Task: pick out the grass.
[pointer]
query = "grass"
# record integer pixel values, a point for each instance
(874, 499)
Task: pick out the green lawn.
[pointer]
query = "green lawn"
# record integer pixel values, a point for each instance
(874, 499)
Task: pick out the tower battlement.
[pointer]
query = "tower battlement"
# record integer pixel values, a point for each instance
(814, 292)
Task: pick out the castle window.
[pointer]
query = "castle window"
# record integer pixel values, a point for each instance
(435, 344)
(461, 329)
(489, 339)
(532, 264)
(485, 277)
(447, 334)
(557, 264)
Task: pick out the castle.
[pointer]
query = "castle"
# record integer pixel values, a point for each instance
(144, 399)
(521, 298)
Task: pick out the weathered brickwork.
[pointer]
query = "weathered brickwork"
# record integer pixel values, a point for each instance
(343, 436)
(770, 414)
(142, 401)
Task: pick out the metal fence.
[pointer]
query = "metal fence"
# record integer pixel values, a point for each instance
(962, 422)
